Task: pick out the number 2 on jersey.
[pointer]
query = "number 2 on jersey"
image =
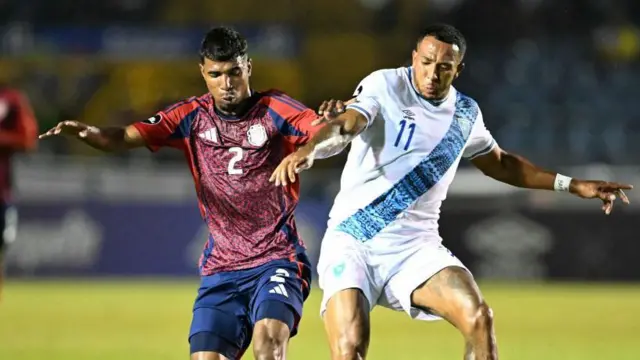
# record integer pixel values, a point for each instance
(232, 163)
(412, 129)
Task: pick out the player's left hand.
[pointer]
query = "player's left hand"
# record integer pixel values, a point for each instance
(606, 191)
(330, 109)
(296, 162)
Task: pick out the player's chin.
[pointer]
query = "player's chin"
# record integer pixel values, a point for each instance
(432, 94)
(228, 104)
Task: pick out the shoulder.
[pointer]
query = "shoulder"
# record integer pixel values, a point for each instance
(383, 80)
(279, 101)
(188, 105)
(465, 103)
(463, 98)
(385, 75)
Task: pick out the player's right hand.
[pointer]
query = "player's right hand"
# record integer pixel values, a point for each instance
(68, 127)
(293, 164)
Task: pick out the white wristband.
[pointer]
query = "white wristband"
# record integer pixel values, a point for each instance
(561, 183)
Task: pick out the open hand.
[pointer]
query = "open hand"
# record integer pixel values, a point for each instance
(68, 127)
(290, 166)
(330, 109)
(606, 191)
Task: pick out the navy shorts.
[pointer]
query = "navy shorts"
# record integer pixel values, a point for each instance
(229, 304)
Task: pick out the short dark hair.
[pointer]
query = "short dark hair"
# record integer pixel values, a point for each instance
(445, 33)
(222, 44)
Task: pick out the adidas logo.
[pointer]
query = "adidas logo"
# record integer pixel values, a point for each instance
(210, 135)
(279, 289)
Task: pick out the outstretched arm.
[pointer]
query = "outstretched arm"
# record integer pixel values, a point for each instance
(340, 127)
(515, 170)
(165, 128)
(330, 140)
(108, 139)
(337, 133)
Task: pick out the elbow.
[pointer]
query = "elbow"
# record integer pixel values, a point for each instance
(500, 171)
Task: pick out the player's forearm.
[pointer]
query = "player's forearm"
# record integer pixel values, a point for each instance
(517, 171)
(111, 139)
(335, 136)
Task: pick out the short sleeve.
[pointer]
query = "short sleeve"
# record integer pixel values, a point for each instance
(292, 118)
(169, 127)
(480, 142)
(368, 94)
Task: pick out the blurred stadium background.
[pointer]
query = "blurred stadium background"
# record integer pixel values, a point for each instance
(104, 263)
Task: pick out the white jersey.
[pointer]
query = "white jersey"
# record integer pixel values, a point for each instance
(399, 169)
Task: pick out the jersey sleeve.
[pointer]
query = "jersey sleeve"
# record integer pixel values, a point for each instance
(169, 127)
(368, 94)
(481, 142)
(292, 118)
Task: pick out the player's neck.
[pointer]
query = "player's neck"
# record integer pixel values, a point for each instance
(441, 100)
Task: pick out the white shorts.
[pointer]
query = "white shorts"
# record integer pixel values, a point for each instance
(387, 270)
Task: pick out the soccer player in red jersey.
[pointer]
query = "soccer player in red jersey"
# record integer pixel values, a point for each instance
(255, 275)
(18, 132)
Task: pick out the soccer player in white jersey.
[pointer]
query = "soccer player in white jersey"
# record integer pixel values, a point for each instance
(409, 129)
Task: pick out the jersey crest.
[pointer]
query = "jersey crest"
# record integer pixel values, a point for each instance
(257, 135)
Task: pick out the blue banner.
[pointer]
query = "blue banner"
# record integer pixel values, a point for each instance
(102, 238)
(266, 41)
(117, 239)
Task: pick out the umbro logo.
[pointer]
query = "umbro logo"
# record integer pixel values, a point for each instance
(408, 113)
(211, 135)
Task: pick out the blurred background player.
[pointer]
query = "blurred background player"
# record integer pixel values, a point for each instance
(18, 133)
(255, 273)
(410, 128)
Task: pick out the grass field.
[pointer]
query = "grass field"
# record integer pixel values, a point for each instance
(149, 320)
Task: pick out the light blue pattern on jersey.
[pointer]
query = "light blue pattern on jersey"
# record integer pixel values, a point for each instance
(367, 222)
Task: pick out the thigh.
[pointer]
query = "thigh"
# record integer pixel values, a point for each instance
(220, 322)
(413, 268)
(452, 293)
(208, 340)
(280, 292)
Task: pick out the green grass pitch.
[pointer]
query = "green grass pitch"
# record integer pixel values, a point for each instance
(149, 320)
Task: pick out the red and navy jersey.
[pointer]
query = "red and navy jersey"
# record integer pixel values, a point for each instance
(250, 220)
(18, 132)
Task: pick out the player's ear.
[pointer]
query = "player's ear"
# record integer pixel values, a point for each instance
(249, 66)
(460, 68)
(201, 69)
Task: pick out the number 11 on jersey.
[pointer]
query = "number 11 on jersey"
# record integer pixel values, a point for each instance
(412, 129)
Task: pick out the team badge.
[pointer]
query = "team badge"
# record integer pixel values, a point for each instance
(153, 120)
(257, 135)
(465, 126)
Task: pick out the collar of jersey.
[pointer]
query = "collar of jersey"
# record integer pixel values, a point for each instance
(435, 103)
